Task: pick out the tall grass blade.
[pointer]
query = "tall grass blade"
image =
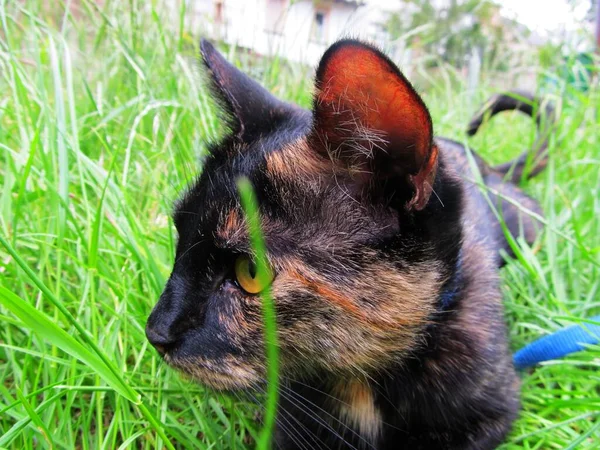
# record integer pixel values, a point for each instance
(263, 270)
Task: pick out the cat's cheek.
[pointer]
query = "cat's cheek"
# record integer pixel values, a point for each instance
(221, 374)
(219, 362)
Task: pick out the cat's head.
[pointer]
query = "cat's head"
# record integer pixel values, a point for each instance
(359, 216)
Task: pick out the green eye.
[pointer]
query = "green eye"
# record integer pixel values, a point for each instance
(246, 276)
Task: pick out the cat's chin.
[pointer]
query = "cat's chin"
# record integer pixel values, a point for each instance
(219, 375)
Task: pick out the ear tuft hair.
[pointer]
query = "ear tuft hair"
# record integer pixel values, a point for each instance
(367, 115)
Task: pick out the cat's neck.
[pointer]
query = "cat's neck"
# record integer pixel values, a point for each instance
(452, 288)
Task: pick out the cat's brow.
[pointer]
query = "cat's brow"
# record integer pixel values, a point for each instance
(179, 212)
(231, 231)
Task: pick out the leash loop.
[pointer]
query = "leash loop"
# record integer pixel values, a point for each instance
(558, 344)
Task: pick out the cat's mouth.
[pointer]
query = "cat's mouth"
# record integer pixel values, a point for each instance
(224, 374)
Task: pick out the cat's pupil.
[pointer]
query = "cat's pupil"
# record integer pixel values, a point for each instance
(252, 269)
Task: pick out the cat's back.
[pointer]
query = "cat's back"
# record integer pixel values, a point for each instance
(490, 199)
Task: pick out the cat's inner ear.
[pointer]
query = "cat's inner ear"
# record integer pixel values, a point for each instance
(250, 109)
(368, 117)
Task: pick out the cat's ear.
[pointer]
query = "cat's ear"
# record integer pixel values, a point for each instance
(369, 117)
(250, 109)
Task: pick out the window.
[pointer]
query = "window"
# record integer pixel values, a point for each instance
(219, 12)
(318, 31)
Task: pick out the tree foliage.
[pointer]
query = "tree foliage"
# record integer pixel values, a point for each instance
(450, 30)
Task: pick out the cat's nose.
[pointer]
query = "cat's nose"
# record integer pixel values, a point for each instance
(173, 315)
(159, 341)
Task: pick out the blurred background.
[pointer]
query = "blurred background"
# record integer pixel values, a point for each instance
(465, 33)
(530, 44)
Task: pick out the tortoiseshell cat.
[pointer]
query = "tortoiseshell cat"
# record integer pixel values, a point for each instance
(385, 262)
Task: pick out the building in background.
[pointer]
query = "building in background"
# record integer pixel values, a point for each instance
(299, 30)
(470, 35)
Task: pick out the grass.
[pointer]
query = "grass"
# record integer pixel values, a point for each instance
(264, 275)
(102, 119)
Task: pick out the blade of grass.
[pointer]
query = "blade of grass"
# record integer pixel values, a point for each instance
(11, 434)
(111, 374)
(263, 273)
(44, 326)
(35, 418)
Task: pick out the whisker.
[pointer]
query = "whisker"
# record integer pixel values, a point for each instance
(318, 390)
(340, 401)
(280, 424)
(312, 414)
(186, 252)
(309, 432)
(187, 212)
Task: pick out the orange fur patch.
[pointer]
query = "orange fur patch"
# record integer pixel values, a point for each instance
(232, 226)
(357, 407)
(297, 161)
(336, 298)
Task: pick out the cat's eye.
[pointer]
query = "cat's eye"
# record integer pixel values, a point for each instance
(247, 277)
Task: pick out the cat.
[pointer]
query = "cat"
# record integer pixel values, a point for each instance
(384, 254)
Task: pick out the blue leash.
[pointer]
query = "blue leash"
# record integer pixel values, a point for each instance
(553, 346)
(558, 344)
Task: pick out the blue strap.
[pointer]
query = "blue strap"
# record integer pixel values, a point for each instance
(453, 286)
(558, 344)
(553, 346)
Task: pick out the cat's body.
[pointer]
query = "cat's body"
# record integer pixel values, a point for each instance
(457, 389)
(385, 254)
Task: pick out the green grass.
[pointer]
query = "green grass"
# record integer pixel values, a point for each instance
(102, 119)
(264, 274)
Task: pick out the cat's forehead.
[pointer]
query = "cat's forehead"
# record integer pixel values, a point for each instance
(280, 169)
(298, 191)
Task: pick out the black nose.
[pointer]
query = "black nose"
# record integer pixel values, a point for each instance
(158, 340)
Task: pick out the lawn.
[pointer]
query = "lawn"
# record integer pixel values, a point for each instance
(103, 115)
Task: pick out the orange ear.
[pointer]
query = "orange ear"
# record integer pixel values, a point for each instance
(367, 114)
